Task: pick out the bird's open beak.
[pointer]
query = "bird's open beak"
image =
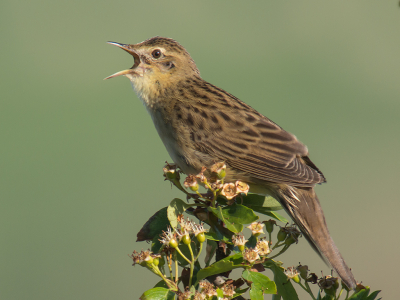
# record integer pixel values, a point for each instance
(128, 49)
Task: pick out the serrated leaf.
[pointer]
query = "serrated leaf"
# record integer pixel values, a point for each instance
(283, 285)
(373, 295)
(221, 266)
(154, 226)
(234, 216)
(259, 282)
(158, 293)
(361, 295)
(176, 208)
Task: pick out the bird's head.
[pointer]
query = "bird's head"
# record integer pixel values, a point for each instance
(159, 63)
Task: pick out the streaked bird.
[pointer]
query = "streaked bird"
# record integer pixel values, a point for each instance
(201, 124)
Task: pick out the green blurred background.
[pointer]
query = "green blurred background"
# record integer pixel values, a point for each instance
(80, 160)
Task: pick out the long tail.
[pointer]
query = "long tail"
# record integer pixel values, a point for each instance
(303, 206)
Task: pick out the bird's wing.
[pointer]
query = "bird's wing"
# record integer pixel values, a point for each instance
(250, 142)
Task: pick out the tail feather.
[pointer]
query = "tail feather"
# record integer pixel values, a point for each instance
(303, 206)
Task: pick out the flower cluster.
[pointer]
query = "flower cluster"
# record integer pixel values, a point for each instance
(251, 255)
(215, 182)
(171, 238)
(231, 190)
(208, 290)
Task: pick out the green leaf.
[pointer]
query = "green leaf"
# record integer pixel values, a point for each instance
(158, 293)
(264, 205)
(373, 295)
(154, 226)
(272, 214)
(251, 243)
(223, 265)
(176, 208)
(256, 201)
(219, 233)
(220, 293)
(234, 216)
(283, 285)
(363, 295)
(156, 244)
(259, 282)
(256, 294)
(240, 292)
(276, 297)
(319, 295)
(162, 284)
(328, 297)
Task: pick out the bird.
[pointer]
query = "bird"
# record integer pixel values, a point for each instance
(201, 124)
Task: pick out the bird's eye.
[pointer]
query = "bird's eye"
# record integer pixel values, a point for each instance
(156, 53)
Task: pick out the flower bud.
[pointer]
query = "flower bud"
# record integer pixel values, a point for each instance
(290, 240)
(186, 239)
(148, 258)
(191, 182)
(329, 284)
(156, 261)
(173, 243)
(359, 287)
(296, 279)
(269, 225)
(161, 261)
(219, 169)
(303, 270)
(170, 172)
(201, 237)
(281, 236)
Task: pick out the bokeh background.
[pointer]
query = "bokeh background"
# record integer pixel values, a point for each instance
(81, 161)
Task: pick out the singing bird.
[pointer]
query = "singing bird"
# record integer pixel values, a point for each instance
(201, 124)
